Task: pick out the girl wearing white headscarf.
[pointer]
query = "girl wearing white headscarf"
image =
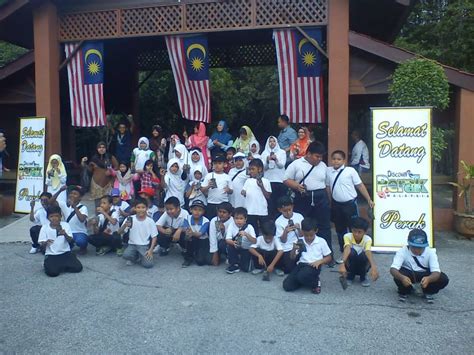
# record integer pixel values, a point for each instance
(182, 155)
(254, 152)
(174, 140)
(199, 164)
(141, 154)
(56, 177)
(173, 184)
(274, 160)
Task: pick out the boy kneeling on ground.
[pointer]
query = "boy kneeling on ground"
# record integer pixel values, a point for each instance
(311, 252)
(415, 263)
(55, 237)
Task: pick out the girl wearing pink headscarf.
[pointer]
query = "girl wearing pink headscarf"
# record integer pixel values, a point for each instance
(199, 140)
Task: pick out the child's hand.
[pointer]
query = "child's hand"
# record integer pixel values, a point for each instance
(261, 260)
(371, 204)
(149, 255)
(301, 188)
(227, 189)
(424, 282)
(176, 237)
(342, 269)
(49, 242)
(270, 269)
(406, 281)
(100, 210)
(168, 231)
(316, 264)
(374, 274)
(84, 160)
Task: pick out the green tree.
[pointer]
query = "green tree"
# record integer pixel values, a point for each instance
(9, 52)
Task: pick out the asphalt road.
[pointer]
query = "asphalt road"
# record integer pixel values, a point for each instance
(114, 308)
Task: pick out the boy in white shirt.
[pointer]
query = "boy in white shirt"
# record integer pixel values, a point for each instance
(415, 263)
(217, 186)
(170, 226)
(239, 237)
(123, 207)
(196, 236)
(217, 232)
(193, 190)
(238, 175)
(311, 252)
(39, 218)
(55, 237)
(288, 231)
(105, 228)
(357, 257)
(141, 229)
(257, 191)
(267, 252)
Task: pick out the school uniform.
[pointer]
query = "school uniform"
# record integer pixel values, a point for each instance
(314, 203)
(58, 256)
(175, 186)
(217, 237)
(342, 183)
(357, 263)
(304, 274)
(417, 267)
(197, 195)
(255, 202)
(267, 250)
(166, 221)
(107, 234)
(239, 256)
(40, 219)
(153, 212)
(140, 235)
(238, 178)
(287, 263)
(197, 248)
(216, 196)
(78, 228)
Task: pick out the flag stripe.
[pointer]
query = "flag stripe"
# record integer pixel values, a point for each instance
(301, 98)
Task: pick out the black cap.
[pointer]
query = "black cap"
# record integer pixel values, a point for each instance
(219, 159)
(198, 203)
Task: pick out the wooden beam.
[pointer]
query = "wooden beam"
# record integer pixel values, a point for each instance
(11, 7)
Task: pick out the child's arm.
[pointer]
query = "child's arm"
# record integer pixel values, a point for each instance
(262, 187)
(124, 226)
(163, 230)
(81, 217)
(275, 261)
(345, 256)
(433, 277)
(177, 234)
(259, 256)
(107, 216)
(55, 196)
(249, 237)
(316, 264)
(363, 190)
(149, 252)
(405, 280)
(32, 211)
(374, 273)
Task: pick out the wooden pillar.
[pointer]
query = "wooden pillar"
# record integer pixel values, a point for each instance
(338, 90)
(464, 130)
(45, 22)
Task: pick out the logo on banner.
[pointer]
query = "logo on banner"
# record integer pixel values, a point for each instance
(401, 184)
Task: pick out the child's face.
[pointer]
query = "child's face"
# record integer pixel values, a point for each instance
(197, 212)
(178, 154)
(104, 204)
(268, 238)
(337, 161)
(149, 167)
(44, 201)
(195, 157)
(172, 211)
(272, 143)
(74, 196)
(254, 171)
(197, 175)
(54, 219)
(174, 168)
(240, 220)
(145, 196)
(286, 211)
(101, 149)
(142, 145)
(155, 133)
(253, 148)
(123, 168)
(239, 163)
(54, 163)
(140, 210)
(230, 155)
(417, 251)
(223, 215)
(309, 236)
(116, 200)
(218, 167)
(122, 128)
(358, 234)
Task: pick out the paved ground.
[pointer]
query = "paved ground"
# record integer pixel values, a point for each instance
(113, 308)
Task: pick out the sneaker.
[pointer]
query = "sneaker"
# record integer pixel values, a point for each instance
(120, 251)
(257, 271)
(156, 249)
(279, 272)
(339, 261)
(186, 263)
(316, 290)
(232, 269)
(365, 282)
(343, 282)
(402, 298)
(104, 250)
(33, 250)
(428, 298)
(164, 251)
(129, 263)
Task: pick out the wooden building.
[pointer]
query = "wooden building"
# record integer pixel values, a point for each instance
(359, 34)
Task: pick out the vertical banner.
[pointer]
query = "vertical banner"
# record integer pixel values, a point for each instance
(401, 175)
(30, 172)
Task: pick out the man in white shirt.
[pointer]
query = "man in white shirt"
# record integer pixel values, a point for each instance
(55, 238)
(312, 252)
(360, 153)
(307, 178)
(39, 217)
(415, 263)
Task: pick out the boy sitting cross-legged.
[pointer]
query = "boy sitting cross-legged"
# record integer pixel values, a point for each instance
(311, 252)
(267, 252)
(196, 236)
(141, 230)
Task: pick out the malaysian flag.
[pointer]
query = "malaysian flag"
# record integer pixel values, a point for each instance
(86, 82)
(189, 59)
(299, 70)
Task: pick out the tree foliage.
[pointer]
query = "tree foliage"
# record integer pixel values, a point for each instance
(9, 52)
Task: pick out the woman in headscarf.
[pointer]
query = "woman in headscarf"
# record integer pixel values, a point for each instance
(274, 160)
(141, 154)
(56, 177)
(298, 148)
(174, 140)
(158, 145)
(199, 139)
(242, 144)
(99, 166)
(220, 140)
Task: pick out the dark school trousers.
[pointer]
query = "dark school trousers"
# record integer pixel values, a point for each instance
(256, 221)
(287, 264)
(211, 210)
(278, 190)
(302, 275)
(99, 240)
(342, 214)
(268, 256)
(198, 250)
(34, 235)
(56, 264)
(239, 256)
(315, 204)
(357, 264)
(416, 277)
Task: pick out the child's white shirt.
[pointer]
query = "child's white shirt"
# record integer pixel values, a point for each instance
(215, 235)
(60, 244)
(255, 201)
(281, 223)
